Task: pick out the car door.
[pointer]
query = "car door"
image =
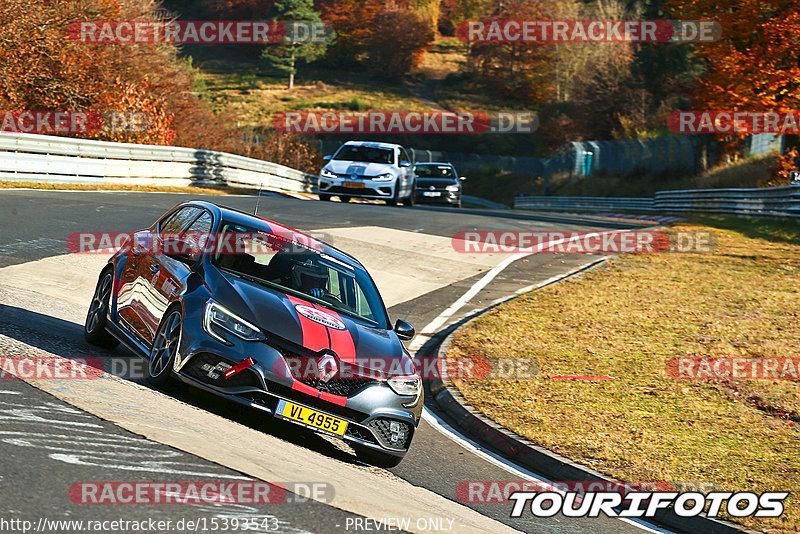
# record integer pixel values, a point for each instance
(406, 173)
(174, 270)
(136, 302)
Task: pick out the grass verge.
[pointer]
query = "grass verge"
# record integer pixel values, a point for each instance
(626, 320)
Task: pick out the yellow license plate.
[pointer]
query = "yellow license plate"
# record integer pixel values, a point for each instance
(311, 417)
(357, 185)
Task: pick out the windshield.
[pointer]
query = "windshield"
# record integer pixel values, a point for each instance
(435, 171)
(367, 154)
(274, 261)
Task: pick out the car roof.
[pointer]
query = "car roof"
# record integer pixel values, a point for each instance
(433, 163)
(373, 144)
(248, 219)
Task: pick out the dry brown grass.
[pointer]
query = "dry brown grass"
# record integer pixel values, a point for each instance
(626, 320)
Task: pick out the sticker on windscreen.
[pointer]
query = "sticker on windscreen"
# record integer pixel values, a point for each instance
(320, 316)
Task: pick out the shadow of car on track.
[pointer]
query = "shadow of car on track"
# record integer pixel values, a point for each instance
(65, 339)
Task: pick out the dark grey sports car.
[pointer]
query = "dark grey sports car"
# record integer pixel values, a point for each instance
(265, 316)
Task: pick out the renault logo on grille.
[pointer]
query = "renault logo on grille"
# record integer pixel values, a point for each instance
(327, 367)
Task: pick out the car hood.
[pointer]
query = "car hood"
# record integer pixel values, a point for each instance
(359, 168)
(312, 326)
(424, 183)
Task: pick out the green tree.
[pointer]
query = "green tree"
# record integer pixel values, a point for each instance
(304, 41)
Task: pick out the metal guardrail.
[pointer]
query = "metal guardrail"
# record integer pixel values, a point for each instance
(768, 201)
(64, 159)
(759, 202)
(583, 203)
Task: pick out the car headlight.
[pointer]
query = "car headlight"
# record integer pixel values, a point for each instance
(388, 177)
(452, 188)
(218, 316)
(325, 173)
(405, 385)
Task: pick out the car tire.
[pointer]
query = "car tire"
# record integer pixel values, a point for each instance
(393, 201)
(376, 458)
(324, 197)
(94, 328)
(345, 199)
(165, 346)
(409, 201)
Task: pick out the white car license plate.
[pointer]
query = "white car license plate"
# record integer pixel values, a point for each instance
(432, 194)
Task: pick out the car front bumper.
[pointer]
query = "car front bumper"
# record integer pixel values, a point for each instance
(366, 188)
(368, 409)
(437, 196)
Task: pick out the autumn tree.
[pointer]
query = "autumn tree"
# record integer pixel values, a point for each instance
(387, 38)
(523, 70)
(754, 65)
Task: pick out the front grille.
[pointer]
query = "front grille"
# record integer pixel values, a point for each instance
(383, 429)
(358, 432)
(204, 364)
(344, 387)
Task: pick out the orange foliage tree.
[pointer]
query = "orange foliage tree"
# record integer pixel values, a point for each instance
(387, 37)
(516, 69)
(754, 66)
(42, 69)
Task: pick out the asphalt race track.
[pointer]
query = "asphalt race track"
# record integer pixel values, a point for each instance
(56, 433)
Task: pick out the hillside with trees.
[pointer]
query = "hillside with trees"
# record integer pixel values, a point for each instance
(400, 54)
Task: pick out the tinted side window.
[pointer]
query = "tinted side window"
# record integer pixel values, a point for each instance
(202, 224)
(404, 155)
(179, 220)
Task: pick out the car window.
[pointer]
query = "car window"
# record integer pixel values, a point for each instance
(435, 171)
(404, 155)
(306, 272)
(202, 224)
(366, 154)
(179, 220)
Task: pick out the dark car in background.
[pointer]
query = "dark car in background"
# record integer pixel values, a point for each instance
(438, 183)
(265, 316)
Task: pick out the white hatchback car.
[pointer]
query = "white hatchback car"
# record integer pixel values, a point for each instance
(365, 169)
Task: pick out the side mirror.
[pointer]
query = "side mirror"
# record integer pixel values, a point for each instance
(327, 157)
(404, 163)
(403, 330)
(462, 178)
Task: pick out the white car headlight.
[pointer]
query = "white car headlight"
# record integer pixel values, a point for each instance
(388, 177)
(218, 316)
(453, 188)
(405, 385)
(325, 173)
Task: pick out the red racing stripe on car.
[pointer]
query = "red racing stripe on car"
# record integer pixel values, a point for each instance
(303, 388)
(335, 399)
(341, 340)
(315, 335)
